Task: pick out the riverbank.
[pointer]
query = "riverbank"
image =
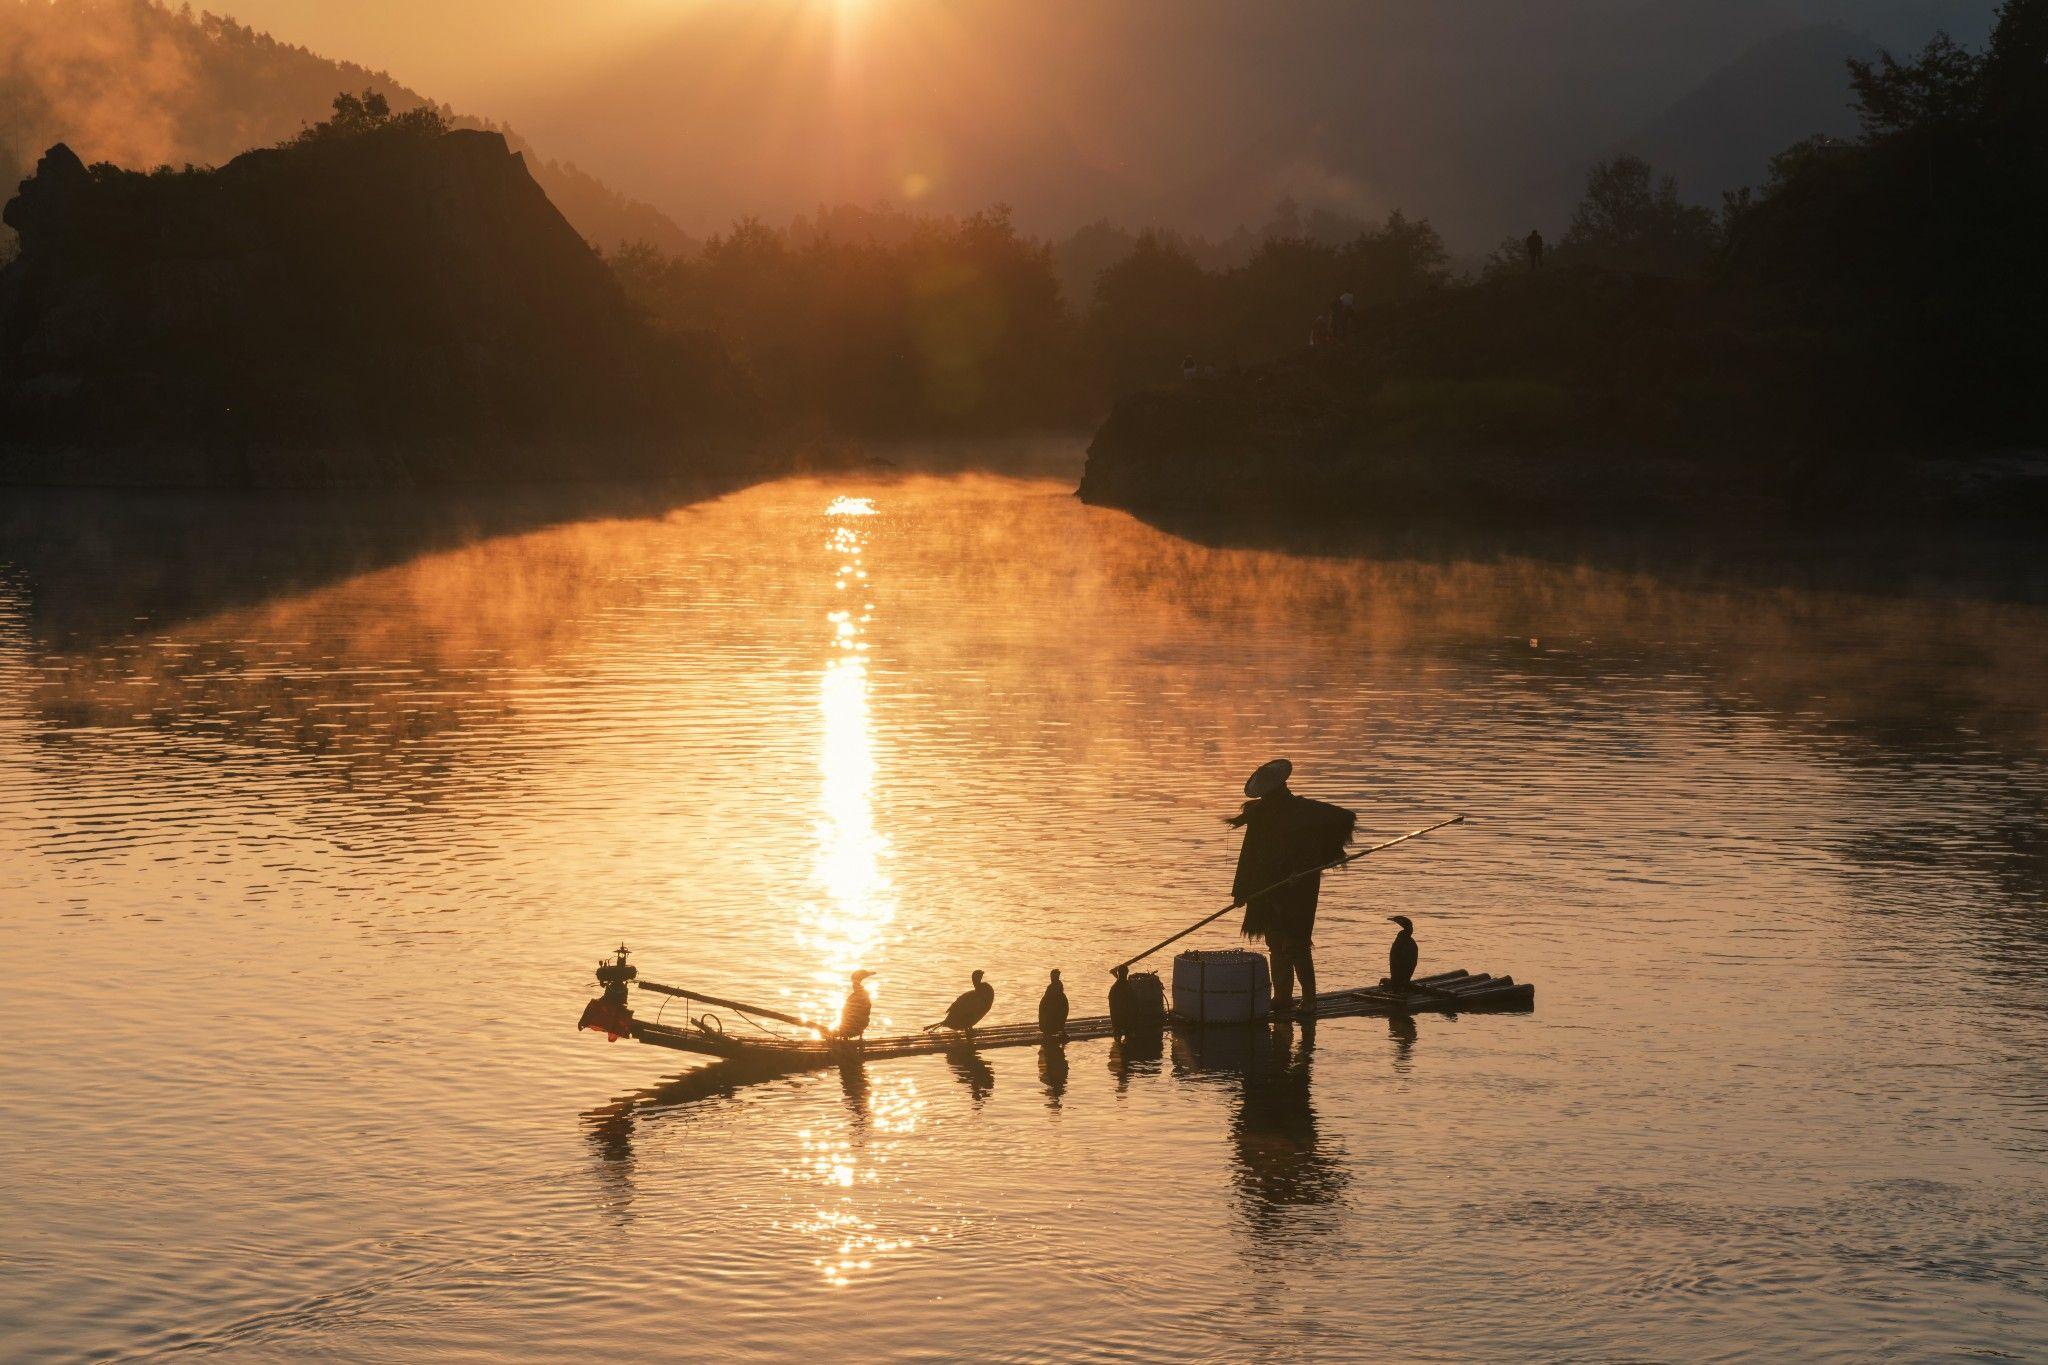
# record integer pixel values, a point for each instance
(1331, 441)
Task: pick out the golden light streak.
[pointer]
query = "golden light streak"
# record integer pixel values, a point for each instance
(853, 904)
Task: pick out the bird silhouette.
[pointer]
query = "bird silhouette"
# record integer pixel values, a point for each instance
(854, 1014)
(969, 1009)
(1052, 1007)
(1402, 956)
(1120, 1003)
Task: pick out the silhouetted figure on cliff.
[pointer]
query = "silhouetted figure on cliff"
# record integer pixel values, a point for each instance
(1533, 245)
(1344, 319)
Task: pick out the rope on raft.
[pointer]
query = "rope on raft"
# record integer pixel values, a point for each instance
(717, 1025)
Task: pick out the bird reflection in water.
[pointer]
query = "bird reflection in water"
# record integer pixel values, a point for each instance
(973, 1071)
(1401, 1028)
(853, 1085)
(1137, 1053)
(1279, 1164)
(1052, 1072)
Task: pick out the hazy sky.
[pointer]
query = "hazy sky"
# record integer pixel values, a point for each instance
(1192, 111)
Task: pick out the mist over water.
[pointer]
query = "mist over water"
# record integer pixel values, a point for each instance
(311, 833)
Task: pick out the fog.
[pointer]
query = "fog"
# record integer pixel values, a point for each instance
(1197, 113)
(120, 82)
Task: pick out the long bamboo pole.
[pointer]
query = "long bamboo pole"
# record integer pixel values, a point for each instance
(738, 1006)
(1241, 902)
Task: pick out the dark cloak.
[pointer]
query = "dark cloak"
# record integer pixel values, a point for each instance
(1285, 834)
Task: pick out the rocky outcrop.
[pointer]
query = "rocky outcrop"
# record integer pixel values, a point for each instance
(395, 305)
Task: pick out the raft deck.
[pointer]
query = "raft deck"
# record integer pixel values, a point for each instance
(1458, 992)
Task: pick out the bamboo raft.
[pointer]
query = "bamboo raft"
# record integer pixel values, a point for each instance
(704, 1032)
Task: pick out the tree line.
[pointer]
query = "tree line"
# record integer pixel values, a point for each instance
(882, 322)
(1888, 284)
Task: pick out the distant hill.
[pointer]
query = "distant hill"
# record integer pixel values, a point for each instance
(139, 84)
(1197, 114)
(1723, 133)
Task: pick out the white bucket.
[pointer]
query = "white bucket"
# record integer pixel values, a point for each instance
(1226, 986)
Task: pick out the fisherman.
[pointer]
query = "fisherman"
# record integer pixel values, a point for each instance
(1284, 835)
(1533, 245)
(1344, 318)
(854, 1014)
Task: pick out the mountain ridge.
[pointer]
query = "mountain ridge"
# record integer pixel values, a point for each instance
(137, 83)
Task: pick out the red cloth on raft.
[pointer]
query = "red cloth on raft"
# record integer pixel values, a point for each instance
(608, 1017)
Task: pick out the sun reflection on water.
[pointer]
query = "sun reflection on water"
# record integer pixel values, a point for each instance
(852, 907)
(885, 1111)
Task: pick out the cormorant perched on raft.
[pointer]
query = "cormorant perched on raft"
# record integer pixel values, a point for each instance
(969, 1009)
(853, 1015)
(1401, 957)
(1120, 1003)
(1052, 1007)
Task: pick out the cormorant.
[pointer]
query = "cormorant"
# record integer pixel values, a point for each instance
(1401, 957)
(967, 1011)
(1120, 1003)
(1052, 1007)
(853, 1015)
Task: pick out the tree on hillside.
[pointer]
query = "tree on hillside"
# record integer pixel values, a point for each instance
(1151, 309)
(1919, 244)
(926, 324)
(1081, 257)
(370, 112)
(1401, 259)
(1631, 219)
(1938, 86)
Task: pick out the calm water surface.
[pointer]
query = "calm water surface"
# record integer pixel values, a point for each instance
(313, 831)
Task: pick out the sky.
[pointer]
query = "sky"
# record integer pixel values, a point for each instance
(1199, 113)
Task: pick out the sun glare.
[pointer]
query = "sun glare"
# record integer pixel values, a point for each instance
(853, 905)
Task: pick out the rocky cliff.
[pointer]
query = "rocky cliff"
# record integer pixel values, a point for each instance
(396, 305)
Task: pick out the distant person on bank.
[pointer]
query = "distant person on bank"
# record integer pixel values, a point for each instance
(1344, 318)
(1285, 834)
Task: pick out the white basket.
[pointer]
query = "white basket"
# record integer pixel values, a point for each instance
(1226, 986)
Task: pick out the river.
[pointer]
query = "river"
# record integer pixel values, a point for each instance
(314, 822)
